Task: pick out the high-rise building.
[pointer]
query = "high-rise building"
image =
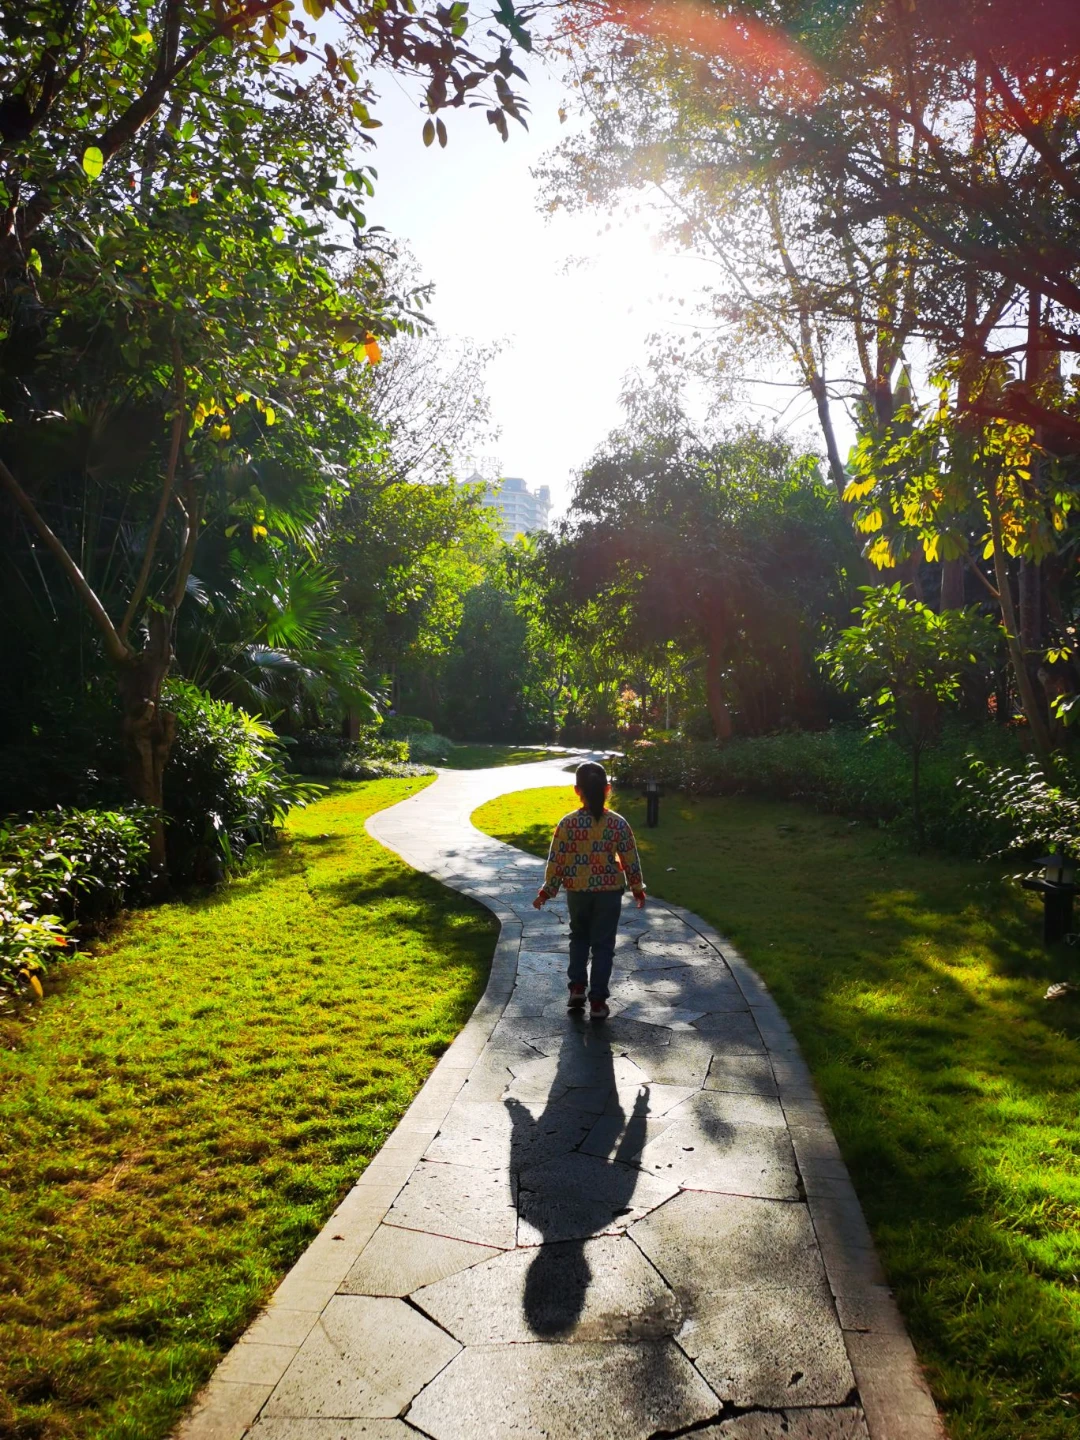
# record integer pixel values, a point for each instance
(521, 511)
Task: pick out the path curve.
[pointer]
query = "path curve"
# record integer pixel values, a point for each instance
(614, 1232)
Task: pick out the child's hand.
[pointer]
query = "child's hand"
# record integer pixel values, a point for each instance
(540, 902)
(639, 899)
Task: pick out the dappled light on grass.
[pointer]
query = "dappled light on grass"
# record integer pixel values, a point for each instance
(914, 985)
(180, 1116)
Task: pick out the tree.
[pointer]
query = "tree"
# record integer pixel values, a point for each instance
(733, 547)
(174, 207)
(906, 662)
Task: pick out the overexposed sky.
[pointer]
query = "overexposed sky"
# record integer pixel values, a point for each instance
(573, 299)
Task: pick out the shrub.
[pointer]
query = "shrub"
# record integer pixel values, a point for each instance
(429, 747)
(80, 863)
(320, 752)
(404, 727)
(226, 785)
(1022, 811)
(841, 770)
(59, 869)
(27, 940)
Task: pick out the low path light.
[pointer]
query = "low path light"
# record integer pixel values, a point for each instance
(1057, 885)
(652, 803)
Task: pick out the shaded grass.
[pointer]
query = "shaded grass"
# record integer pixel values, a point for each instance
(184, 1110)
(483, 757)
(914, 985)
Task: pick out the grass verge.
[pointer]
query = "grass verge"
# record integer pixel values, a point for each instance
(914, 985)
(181, 1114)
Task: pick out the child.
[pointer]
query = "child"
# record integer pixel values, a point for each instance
(593, 854)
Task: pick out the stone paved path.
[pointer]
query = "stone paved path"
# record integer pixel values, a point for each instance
(613, 1232)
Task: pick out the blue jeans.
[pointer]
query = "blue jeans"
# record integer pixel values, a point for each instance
(594, 923)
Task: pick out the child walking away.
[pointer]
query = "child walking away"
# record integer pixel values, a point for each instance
(594, 857)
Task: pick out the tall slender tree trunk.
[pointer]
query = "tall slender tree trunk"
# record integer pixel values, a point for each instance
(952, 585)
(148, 729)
(719, 712)
(1040, 734)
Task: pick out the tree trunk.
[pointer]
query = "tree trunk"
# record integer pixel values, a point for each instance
(714, 689)
(952, 585)
(148, 730)
(836, 465)
(1040, 734)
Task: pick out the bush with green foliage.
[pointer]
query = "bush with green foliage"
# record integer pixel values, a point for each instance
(429, 748)
(226, 786)
(58, 870)
(404, 727)
(842, 770)
(372, 756)
(1021, 810)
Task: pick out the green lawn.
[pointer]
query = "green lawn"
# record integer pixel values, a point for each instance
(183, 1111)
(914, 985)
(482, 757)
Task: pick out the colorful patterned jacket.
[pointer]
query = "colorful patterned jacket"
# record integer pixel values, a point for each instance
(590, 854)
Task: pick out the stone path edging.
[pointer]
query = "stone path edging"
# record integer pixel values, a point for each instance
(432, 832)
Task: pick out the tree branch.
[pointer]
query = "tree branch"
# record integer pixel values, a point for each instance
(178, 425)
(119, 652)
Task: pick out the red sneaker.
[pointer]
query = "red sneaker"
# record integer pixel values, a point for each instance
(576, 1000)
(598, 1010)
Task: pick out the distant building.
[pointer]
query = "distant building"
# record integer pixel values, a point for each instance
(521, 510)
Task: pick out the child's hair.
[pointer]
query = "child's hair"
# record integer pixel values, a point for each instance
(591, 780)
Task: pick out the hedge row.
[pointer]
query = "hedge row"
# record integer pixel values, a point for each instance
(846, 772)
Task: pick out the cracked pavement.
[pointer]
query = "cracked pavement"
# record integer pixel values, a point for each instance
(623, 1231)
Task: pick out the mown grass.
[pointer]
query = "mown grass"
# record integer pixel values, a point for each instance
(182, 1112)
(914, 984)
(483, 757)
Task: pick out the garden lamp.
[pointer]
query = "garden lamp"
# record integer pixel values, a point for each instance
(652, 803)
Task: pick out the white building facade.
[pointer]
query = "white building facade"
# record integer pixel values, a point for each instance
(521, 511)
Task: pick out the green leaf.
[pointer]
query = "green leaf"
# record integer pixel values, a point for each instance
(429, 131)
(93, 161)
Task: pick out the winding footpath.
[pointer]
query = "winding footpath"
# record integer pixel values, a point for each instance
(625, 1231)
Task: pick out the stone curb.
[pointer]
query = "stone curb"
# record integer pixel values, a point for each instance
(229, 1404)
(895, 1397)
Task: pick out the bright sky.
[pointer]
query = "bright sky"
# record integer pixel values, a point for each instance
(573, 301)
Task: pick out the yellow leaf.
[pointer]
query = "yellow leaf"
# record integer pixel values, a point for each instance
(931, 546)
(313, 8)
(145, 38)
(988, 550)
(371, 350)
(221, 432)
(35, 985)
(269, 414)
(258, 531)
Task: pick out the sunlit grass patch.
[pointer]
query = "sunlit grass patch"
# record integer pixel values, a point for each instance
(914, 985)
(181, 1114)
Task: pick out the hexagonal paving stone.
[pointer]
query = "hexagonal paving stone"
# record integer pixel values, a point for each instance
(742, 1074)
(593, 1290)
(510, 1134)
(396, 1262)
(463, 1202)
(564, 1392)
(771, 1347)
(580, 1195)
(703, 1244)
(365, 1358)
(669, 1057)
(726, 1148)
